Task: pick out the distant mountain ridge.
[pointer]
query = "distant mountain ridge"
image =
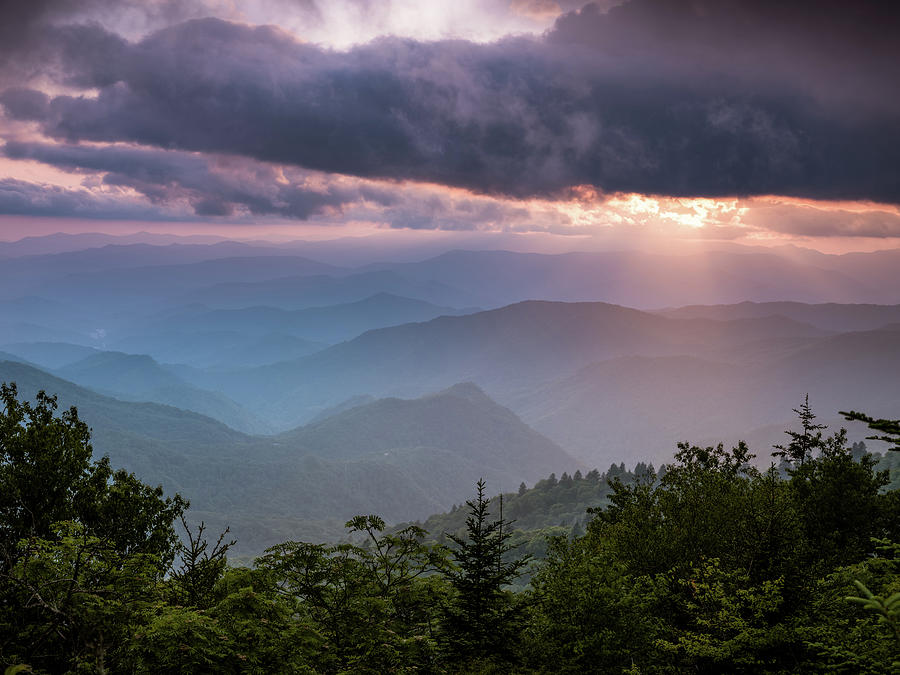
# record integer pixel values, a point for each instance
(482, 430)
(577, 372)
(84, 296)
(647, 403)
(301, 292)
(137, 377)
(604, 382)
(51, 354)
(343, 360)
(504, 350)
(62, 242)
(829, 316)
(648, 280)
(323, 324)
(272, 488)
(181, 277)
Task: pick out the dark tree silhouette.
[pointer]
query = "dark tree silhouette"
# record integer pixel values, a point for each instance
(483, 620)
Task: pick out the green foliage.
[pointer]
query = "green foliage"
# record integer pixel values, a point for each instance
(15, 670)
(550, 508)
(82, 547)
(587, 613)
(76, 596)
(803, 443)
(732, 625)
(45, 471)
(247, 627)
(47, 476)
(712, 546)
(483, 620)
(708, 566)
(887, 608)
(886, 430)
(549, 503)
(889, 462)
(844, 634)
(738, 570)
(199, 567)
(711, 503)
(842, 503)
(373, 605)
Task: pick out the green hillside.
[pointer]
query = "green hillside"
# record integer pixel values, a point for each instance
(462, 417)
(404, 466)
(138, 377)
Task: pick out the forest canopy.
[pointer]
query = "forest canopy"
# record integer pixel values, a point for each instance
(708, 565)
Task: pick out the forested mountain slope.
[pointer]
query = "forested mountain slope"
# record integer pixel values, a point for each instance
(421, 457)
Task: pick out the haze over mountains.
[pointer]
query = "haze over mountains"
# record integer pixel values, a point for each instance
(402, 458)
(219, 367)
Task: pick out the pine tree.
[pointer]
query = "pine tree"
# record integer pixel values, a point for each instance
(888, 430)
(802, 444)
(483, 620)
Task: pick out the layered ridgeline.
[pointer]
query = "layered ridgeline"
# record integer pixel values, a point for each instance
(271, 340)
(114, 287)
(583, 374)
(319, 326)
(401, 458)
(132, 377)
(643, 279)
(508, 350)
(135, 377)
(587, 374)
(200, 336)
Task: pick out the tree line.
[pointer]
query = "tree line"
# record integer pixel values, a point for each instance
(711, 566)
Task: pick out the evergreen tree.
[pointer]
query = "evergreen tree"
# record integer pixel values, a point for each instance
(199, 566)
(483, 620)
(888, 430)
(842, 503)
(804, 443)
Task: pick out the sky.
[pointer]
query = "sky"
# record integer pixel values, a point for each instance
(644, 122)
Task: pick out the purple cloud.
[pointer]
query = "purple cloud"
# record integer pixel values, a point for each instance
(673, 98)
(211, 186)
(30, 199)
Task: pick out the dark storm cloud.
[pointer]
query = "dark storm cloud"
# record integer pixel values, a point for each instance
(210, 187)
(20, 21)
(22, 198)
(59, 37)
(216, 186)
(839, 51)
(682, 98)
(25, 104)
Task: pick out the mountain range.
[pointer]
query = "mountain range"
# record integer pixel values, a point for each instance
(401, 458)
(218, 369)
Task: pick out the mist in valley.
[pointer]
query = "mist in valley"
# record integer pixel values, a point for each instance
(222, 370)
